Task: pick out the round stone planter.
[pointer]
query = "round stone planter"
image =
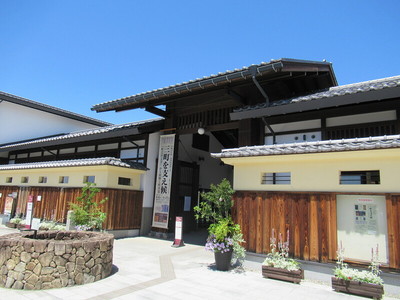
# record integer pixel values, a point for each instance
(54, 259)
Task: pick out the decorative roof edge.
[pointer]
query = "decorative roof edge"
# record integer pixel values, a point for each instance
(80, 133)
(199, 83)
(335, 91)
(111, 161)
(379, 142)
(51, 109)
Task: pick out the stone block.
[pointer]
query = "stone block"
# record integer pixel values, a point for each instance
(25, 257)
(80, 260)
(70, 266)
(46, 258)
(18, 285)
(33, 279)
(79, 278)
(47, 270)
(72, 258)
(61, 269)
(90, 263)
(59, 261)
(38, 269)
(20, 267)
(64, 279)
(56, 283)
(96, 253)
(46, 278)
(40, 245)
(10, 264)
(59, 249)
(30, 266)
(80, 252)
(9, 283)
(5, 254)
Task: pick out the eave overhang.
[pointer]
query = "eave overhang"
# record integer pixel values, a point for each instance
(101, 161)
(50, 109)
(374, 90)
(163, 95)
(86, 135)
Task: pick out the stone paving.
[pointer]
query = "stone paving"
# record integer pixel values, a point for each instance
(146, 268)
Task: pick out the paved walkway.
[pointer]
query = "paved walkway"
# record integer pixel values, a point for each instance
(147, 268)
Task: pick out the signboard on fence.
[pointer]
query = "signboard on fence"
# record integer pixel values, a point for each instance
(8, 205)
(162, 193)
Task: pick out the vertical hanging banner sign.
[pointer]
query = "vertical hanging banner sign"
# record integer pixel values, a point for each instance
(163, 181)
(29, 211)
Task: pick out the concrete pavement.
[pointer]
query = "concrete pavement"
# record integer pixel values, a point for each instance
(147, 268)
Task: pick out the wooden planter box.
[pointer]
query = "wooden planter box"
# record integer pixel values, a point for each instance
(11, 225)
(283, 274)
(364, 289)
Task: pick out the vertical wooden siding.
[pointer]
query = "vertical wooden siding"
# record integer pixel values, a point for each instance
(393, 217)
(123, 208)
(310, 219)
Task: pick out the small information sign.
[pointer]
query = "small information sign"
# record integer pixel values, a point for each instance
(178, 242)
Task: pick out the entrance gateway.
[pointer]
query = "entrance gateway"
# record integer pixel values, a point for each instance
(189, 169)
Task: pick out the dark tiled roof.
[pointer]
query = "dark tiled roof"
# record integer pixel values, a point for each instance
(111, 161)
(82, 133)
(201, 83)
(380, 142)
(50, 109)
(336, 91)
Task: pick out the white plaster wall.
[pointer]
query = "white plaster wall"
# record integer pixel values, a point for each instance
(210, 169)
(148, 179)
(19, 122)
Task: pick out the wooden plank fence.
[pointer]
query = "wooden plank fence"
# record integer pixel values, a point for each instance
(310, 219)
(123, 208)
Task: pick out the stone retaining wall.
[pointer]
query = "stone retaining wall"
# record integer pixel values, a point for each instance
(55, 259)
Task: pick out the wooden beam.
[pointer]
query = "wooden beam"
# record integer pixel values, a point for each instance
(235, 96)
(156, 111)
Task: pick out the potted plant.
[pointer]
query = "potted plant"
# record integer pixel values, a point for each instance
(278, 265)
(365, 283)
(14, 222)
(225, 236)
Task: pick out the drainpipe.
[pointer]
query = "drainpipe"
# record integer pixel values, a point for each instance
(253, 72)
(270, 129)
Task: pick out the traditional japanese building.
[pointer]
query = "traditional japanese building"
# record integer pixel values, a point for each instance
(304, 155)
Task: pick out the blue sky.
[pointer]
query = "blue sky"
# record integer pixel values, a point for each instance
(74, 54)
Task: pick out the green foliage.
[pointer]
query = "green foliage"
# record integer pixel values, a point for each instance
(217, 209)
(16, 220)
(87, 211)
(224, 228)
(344, 272)
(279, 255)
(218, 203)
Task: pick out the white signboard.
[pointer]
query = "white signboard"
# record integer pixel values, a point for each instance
(163, 181)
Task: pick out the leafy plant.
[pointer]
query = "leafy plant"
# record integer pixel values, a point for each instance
(15, 220)
(87, 211)
(342, 271)
(224, 234)
(279, 255)
(51, 225)
(218, 203)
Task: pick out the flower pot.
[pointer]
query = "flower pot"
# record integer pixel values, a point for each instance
(357, 288)
(223, 260)
(283, 274)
